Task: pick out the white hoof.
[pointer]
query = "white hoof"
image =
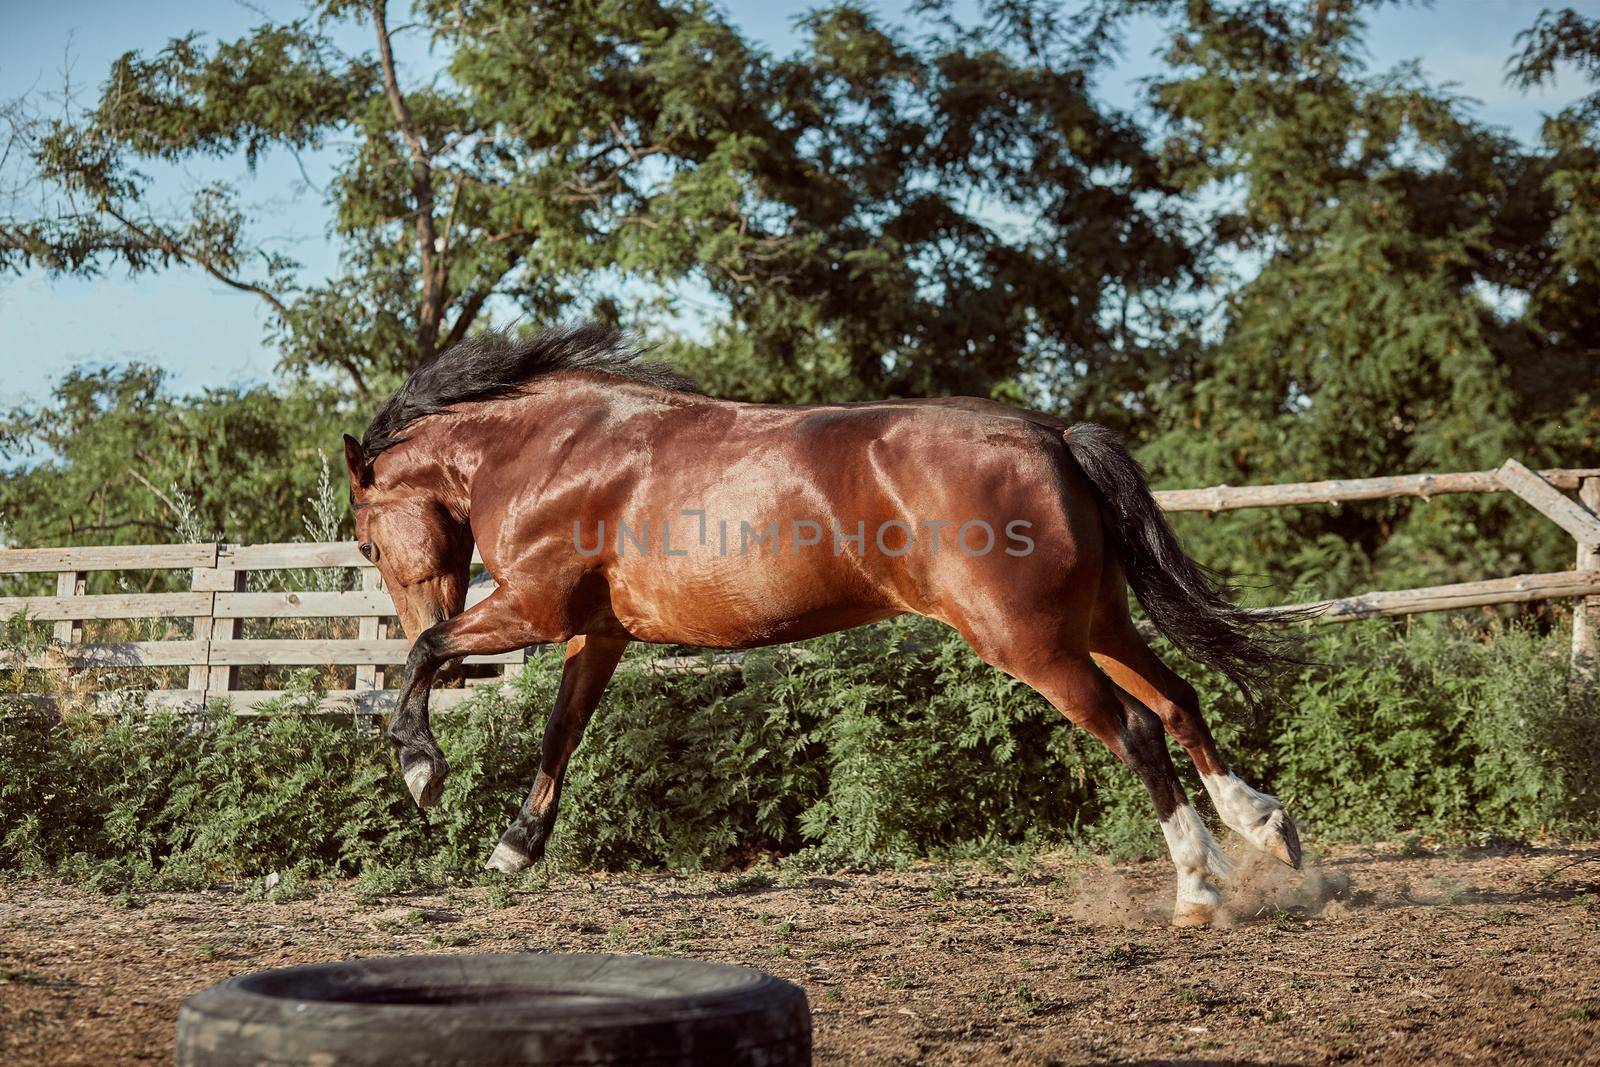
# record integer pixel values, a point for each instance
(1255, 816)
(1281, 839)
(507, 860)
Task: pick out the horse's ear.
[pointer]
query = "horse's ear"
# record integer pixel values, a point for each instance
(355, 461)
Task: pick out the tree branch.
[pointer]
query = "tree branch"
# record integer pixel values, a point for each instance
(356, 376)
(473, 304)
(164, 498)
(432, 310)
(467, 314)
(177, 249)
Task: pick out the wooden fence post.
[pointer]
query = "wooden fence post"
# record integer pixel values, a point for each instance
(69, 631)
(1586, 619)
(70, 583)
(200, 581)
(208, 628)
(370, 676)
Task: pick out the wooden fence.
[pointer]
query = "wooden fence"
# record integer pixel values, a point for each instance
(218, 603)
(1539, 489)
(218, 599)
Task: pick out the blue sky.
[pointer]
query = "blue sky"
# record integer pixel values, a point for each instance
(208, 335)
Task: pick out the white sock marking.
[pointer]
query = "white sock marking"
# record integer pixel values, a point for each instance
(1246, 811)
(1194, 854)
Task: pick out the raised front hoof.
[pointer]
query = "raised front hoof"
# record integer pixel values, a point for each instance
(1187, 914)
(426, 783)
(1282, 839)
(508, 859)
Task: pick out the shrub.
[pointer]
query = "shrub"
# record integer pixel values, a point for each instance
(1439, 728)
(866, 747)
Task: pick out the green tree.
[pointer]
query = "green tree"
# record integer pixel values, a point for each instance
(956, 215)
(1397, 309)
(883, 211)
(116, 458)
(1561, 274)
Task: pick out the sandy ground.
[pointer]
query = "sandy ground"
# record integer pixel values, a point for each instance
(1370, 955)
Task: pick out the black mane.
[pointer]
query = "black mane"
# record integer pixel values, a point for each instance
(494, 364)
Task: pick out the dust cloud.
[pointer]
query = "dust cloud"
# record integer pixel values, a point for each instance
(1258, 889)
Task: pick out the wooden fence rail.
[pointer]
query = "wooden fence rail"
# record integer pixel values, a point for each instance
(1349, 490)
(218, 600)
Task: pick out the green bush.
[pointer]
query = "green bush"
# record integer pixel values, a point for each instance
(1440, 728)
(870, 747)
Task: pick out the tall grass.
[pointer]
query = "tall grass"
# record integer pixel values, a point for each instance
(878, 747)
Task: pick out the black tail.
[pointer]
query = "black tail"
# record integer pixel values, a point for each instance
(1185, 600)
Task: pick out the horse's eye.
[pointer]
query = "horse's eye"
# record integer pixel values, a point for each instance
(369, 550)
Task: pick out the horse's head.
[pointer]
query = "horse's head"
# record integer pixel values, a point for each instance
(420, 548)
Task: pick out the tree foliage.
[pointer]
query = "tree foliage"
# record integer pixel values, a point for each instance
(118, 459)
(875, 213)
(1286, 267)
(1408, 294)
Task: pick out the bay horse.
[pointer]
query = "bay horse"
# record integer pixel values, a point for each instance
(613, 502)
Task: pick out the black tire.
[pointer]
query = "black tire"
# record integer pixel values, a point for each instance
(505, 1009)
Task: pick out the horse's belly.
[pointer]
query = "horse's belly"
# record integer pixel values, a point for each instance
(744, 613)
(752, 633)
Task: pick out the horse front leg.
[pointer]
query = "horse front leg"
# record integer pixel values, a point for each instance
(588, 668)
(494, 625)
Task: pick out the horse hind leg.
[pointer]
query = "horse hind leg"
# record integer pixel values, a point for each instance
(1255, 816)
(1083, 694)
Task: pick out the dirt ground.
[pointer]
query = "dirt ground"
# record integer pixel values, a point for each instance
(1368, 954)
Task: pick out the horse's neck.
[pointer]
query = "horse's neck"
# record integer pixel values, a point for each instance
(514, 428)
(442, 466)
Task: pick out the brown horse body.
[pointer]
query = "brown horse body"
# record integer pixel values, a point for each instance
(612, 509)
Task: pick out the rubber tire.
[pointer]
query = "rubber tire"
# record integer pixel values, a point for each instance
(530, 1008)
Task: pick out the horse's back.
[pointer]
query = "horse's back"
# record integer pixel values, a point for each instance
(722, 523)
(878, 508)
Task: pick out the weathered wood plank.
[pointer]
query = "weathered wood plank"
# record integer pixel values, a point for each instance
(106, 558)
(70, 586)
(1586, 619)
(302, 605)
(289, 555)
(227, 653)
(222, 581)
(109, 606)
(110, 654)
(1549, 501)
(216, 579)
(351, 603)
(290, 653)
(203, 581)
(371, 628)
(1344, 490)
(248, 701)
(1515, 590)
(370, 701)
